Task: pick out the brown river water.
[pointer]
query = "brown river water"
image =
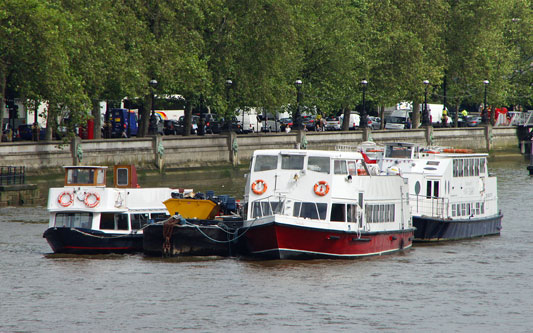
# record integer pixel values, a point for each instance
(480, 285)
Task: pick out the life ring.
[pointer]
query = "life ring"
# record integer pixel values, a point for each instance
(361, 172)
(321, 188)
(259, 187)
(68, 202)
(92, 204)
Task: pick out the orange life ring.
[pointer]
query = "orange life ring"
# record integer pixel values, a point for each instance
(321, 188)
(92, 204)
(259, 187)
(68, 202)
(361, 172)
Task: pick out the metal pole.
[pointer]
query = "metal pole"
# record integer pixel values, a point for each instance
(364, 121)
(425, 116)
(297, 116)
(484, 116)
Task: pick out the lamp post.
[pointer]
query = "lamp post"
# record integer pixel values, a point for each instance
(484, 116)
(229, 84)
(153, 119)
(297, 115)
(425, 115)
(364, 121)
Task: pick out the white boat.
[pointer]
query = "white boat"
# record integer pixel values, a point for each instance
(451, 193)
(304, 204)
(88, 217)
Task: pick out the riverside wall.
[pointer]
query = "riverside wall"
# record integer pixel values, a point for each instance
(195, 151)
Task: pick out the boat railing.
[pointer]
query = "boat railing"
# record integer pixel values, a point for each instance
(430, 206)
(12, 175)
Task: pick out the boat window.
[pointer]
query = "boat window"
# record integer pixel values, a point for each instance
(482, 169)
(122, 177)
(398, 152)
(265, 162)
(80, 176)
(351, 213)
(265, 208)
(428, 189)
(337, 212)
(339, 167)
(378, 213)
(111, 221)
(436, 189)
(292, 162)
(139, 220)
(352, 168)
(310, 210)
(318, 164)
(74, 220)
(158, 217)
(100, 176)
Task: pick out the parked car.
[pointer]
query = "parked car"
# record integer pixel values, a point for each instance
(374, 122)
(309, 122)
(473, 121)
(194, 125)
(333, 123)
(212, 123)
(170, 127)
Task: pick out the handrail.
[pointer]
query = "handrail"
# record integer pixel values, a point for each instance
(11, 175)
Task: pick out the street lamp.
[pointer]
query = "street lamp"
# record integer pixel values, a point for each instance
(484, 116)
(153, 119)
(364, 121)
(425, 115)
(229, 83)
(297, 115)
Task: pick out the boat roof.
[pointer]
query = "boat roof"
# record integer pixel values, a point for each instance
(84, 167)
(324, 153)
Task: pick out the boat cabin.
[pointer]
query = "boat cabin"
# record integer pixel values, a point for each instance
(124, 176)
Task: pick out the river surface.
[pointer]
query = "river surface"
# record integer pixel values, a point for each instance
(481, 285)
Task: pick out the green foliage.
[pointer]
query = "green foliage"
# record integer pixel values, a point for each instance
(74, 53)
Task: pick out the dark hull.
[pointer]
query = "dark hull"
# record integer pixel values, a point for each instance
(86, 241)
(432, 229)
(197, 238)
(281, 241)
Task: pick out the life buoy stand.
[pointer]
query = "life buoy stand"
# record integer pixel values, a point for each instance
(259, 187)
(94, 203)
(321, 188)
(63, 202)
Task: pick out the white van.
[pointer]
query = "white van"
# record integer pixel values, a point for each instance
(248, 120)
(355, 120)
(398, 119)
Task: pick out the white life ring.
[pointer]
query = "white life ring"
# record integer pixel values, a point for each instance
(92, 203)
(63, 202)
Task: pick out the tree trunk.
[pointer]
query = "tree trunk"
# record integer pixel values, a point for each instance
(144, 115)
(382, 116)
(49, 116)
(415, 121)
(2, 100)
(346, 119)
(187, 121)
(97, 120)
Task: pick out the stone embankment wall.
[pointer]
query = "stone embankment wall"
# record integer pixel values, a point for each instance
(180, 152)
